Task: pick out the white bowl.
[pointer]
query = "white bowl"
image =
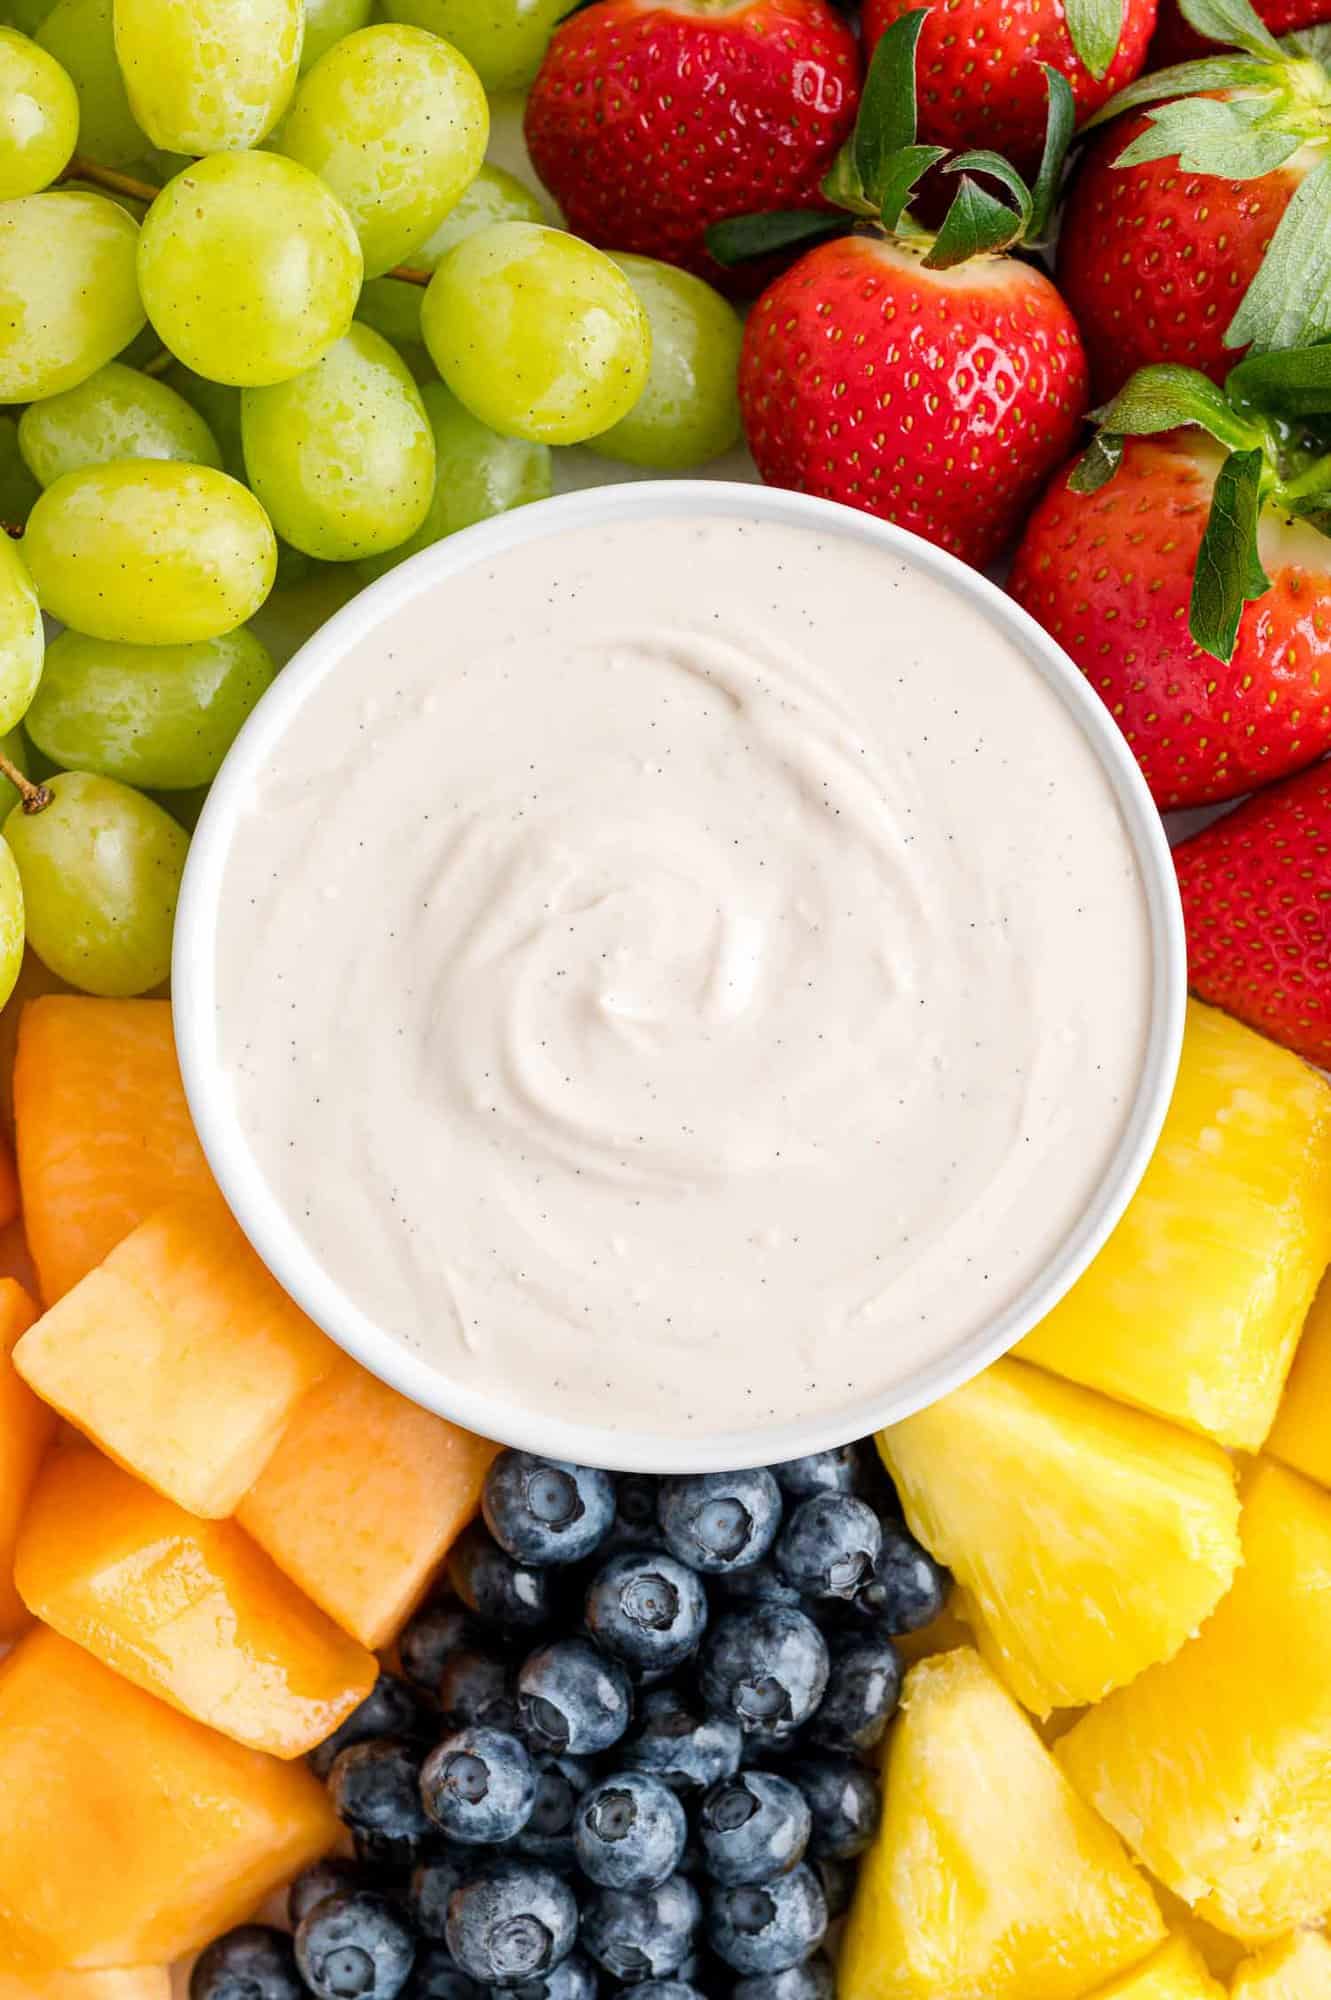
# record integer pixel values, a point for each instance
(598, 1440)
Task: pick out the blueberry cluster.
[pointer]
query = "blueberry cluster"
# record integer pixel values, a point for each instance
(626, 1750)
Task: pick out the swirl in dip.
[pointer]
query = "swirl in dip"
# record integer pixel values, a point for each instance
(686, 973)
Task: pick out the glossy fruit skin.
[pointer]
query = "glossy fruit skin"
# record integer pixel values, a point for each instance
(1154, 261)
(1253, 887)
(688, 414)
(478, 1786)
(39, 116)
(512, 1923)
(498, 1590)
(834, 1471)
(766, 1668)
(503, 43)
(719, 1521)
(814, 1979)
(829, 1545)
(391, 1708)
(764, 1927)
(1176, 42)
(573, 1697)
(22, 643)
(1109, 575)
(909, 1589)
(648, 123)
(843, 1798)
(863, 1688)
(636, 1934)
(252, 1962)
(629, 1832)
(687, 1748)
(70, 257)
(354, 1946)
(375, 1789)
(543, 1510)
(116, 413)
(753, 1827)
(980, 69)
(940, 400)
(646, 1608)
(334, 1873)
(207, 76)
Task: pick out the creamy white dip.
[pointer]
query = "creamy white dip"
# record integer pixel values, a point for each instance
(685, 973)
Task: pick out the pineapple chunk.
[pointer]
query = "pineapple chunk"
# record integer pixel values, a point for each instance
(1090, 1539)
(1220, 1954)
(1297, 1968)
(1193, 1307)
(989, 1879)
(1216, 1766)
(1301, 1436)
(123, 1982)
(943, 1634)
(1176, 1972)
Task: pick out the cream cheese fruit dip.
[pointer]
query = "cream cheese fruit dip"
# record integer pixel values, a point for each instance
(683, 974)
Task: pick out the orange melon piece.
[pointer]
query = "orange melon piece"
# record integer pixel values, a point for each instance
(141, 1834)
(121, 1982)
(26, 1427)
(363, 1498)
(1301, 1435)
(9, 1202)
(1295, 1968)
(104, 1132)
(180, 1356)
(190, 1610)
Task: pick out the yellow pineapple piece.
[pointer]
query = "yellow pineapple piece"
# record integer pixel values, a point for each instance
(989, 1879)
(1176, 1972)
(1295, 1968)
(1301, 1434)
(1219, 1953)
(125, 1982)
(943, 1634)
(1193, 1307)
(1091, 1540)
(1216, 1766)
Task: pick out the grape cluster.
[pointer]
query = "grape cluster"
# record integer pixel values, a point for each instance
(626, 1752)
(265, 310)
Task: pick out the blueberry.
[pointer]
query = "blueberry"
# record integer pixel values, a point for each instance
(668, 1989)
(354, 1946)
(647, 1608)
(829, 1545)
(375, 1790)
(874, 1484)
(548, 1834)
(813, 1980)
(629, 1832)
(760, 1927)
(573, 1979)
(435, 1977)
(908, 1589)
(574, 1697)
(479, 1786)
(753, 1826)
(638, 1934)
(844, 1801)
(760, 1584)
(476, 1687)
(838, 1883)
(634, 1525)
(514, 1922)
(432, 1883)
(720, 1521)
(677, 1743)
(835, 1471)
(438, 1629)
(543, 1510)
(766, 1667)
(391, 1708)
(496, 1588)
(326, 1877)
(863, 1688)
(252, 1962)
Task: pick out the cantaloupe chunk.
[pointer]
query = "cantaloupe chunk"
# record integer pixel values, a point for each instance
(1301, 1434)
(1216, 1766)
(104, 1132)
(1194, 1305)
(131, 1834)
(9, 1200)
(180, 1356)
(989, 1879)
(363, 1498)
(26, 1428)
(1090, 1539)
(1294, 1968)
(190, 1610)
(123, 1982)
(1176, 1972)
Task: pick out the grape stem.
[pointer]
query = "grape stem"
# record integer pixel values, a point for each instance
(81, 168)
(13, 529)
(35, 798)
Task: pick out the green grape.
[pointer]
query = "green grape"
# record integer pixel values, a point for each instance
(69, 259)
(116, 413)
(39, 116)
(343, 456)
(18, 488)
(100, 869)
(14, 747)
(392, 307)
(21, 635)
(208, 76)
(689, 411)
(160, 717)
(250, 269)
(326, 22)
(503, 40)
(26, 15)
(150, 551)
(396, 122)
(540, 335)
(79, 34)
(218, 403)
(477, 474)
(11, 919)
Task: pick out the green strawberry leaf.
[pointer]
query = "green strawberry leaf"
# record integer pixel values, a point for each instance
(1060, 121)
(1097, 464)
(1229, 572)
(975, 223)
(1296, 382)
(1314, 42)
(1095, 27)
(1231, 22)
(886, 122)
(1165, 396)
(1288, 303)
(900, 175)
(1186, 79)
(981, 161)
(1210, 136)
(743, 236)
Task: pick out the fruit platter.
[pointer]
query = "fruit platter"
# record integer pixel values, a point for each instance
(808, 978)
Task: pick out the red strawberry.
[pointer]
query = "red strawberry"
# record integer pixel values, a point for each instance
(649, 122)
(1256, 889)
(1110, 574)
(1176, 42)
(980, 77)
(938, 399)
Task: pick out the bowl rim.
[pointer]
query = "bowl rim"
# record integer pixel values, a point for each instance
(599, 1440)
